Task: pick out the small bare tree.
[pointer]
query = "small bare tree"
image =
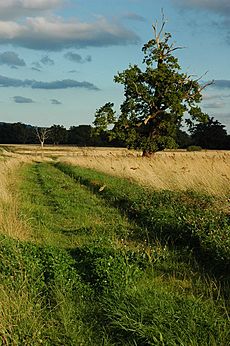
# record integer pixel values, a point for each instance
(42, 134)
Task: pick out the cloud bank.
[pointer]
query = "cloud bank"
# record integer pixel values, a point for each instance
(59, 84)
(55, 33)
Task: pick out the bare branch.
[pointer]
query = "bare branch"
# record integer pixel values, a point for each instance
(42, 134)
(175, 48)
(206, 85)
(198, 79)
(157, 34)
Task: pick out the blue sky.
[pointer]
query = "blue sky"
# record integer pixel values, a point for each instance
(58, 57)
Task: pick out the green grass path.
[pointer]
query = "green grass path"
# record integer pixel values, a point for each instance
(101, 269)
(65, 213)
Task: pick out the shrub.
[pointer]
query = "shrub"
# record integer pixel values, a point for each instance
(194, 148)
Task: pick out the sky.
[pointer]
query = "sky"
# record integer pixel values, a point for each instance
(58, 58)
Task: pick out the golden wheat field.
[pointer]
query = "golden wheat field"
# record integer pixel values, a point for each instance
(205, 171)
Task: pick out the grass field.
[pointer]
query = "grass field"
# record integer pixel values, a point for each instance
(93, 255)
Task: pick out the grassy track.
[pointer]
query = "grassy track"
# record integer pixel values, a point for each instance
(65, 213)
(113, 264)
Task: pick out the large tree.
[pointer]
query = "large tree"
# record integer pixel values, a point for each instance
(155, 98)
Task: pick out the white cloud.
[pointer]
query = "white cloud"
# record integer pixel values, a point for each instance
(10, 9)
(38, 4)
(55, 33)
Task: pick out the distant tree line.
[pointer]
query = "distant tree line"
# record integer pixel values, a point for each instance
(81, 135)
(209, 135)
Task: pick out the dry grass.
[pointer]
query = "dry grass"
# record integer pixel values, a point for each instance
(205, 171)
(10, 224)
(57, 151)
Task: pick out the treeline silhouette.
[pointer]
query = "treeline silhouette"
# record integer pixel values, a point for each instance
(81, 135)
(211, 135)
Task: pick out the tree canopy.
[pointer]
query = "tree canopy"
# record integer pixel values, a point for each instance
(210, 135)
(155, 98)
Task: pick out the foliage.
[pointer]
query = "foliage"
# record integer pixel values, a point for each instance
(80, 135)
(155, 98)
(104, 117)
(210, 135)
(102, 131)
(16, 133)
(58, 134)
(183, 139)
